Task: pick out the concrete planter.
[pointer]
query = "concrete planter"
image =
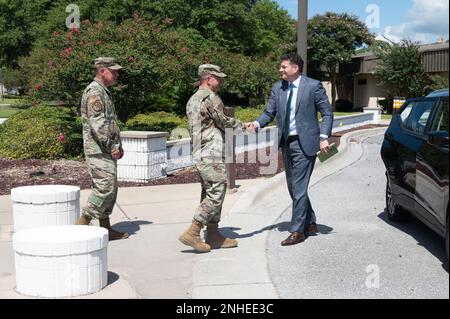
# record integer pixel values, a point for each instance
(61, 261)
(45, 205)
(145, 156)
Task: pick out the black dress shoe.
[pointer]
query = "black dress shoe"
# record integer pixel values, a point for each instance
(311, 229)
(293, 239)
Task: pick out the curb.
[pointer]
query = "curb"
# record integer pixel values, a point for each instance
(248, 200)
(243, 273)
(345, 141)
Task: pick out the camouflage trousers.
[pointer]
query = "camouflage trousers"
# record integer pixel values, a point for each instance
(213, 177)
(103, 171)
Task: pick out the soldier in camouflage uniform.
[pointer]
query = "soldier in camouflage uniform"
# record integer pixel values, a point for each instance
(102, 145)
(207, 124)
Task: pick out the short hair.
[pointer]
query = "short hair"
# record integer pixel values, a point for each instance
(294, 58)
(203, 77)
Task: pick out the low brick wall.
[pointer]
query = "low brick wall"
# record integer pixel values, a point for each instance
(148, 155)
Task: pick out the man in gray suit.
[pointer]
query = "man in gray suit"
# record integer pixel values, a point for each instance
(295, 101)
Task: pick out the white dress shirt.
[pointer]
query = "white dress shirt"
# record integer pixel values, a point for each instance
(292, 128)
(296, 84)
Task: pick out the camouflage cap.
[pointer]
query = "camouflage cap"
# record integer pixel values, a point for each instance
(107, 62)
(206, 69)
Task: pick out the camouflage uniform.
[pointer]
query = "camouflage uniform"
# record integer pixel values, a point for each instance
(207, 124)
(101, 136)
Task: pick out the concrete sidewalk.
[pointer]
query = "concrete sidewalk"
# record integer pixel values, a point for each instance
(153, 264)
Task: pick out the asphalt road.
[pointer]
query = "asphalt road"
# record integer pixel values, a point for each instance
(358, 252)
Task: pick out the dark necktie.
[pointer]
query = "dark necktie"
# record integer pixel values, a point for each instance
(287, 119)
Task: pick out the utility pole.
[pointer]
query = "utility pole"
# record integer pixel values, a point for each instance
(302, 32)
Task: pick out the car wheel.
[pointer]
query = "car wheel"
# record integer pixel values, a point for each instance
(394, 212)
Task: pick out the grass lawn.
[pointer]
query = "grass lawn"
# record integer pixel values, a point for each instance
(10, 106)
(11, 101)
(7, 111)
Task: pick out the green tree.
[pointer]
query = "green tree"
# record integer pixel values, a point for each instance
(333, 39)
(401, 69)
(18, 21)
(438, 82)
(13, 78)
(160, 66)
(272, 29)
(251, 27)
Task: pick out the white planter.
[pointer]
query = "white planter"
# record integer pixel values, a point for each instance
(145, 156)
(45, 205)
(61, 261)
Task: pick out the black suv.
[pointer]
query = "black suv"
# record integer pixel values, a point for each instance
(415, 153)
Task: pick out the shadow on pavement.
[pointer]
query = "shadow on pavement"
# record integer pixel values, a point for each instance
(190, 251)
(112, 277)
(424, 236)
(131, 227)
(281, 227)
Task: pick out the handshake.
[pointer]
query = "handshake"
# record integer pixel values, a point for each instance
(251, 127)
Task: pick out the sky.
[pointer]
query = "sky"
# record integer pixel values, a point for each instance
(422, 21)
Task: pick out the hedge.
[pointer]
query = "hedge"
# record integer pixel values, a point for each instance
(42, 132)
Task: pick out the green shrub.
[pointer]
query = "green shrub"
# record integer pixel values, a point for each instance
(36, 132)
(438, 82)
(248, 114)
(159, 66)
(157, 121)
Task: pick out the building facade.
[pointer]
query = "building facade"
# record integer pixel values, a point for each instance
(365, 88)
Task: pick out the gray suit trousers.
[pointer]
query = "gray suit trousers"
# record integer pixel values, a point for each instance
(298, 170)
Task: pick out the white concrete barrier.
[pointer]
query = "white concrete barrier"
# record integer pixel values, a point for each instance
(145, 156)
(45, 205)
(61, 261)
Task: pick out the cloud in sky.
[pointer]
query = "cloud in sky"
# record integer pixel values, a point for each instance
(428, 20)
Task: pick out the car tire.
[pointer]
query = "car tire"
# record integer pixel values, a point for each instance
(393, 211)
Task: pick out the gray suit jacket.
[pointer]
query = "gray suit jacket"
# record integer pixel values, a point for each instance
(311, 98)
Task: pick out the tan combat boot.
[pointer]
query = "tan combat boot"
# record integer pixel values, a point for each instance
(112, 234)
(215, 239)
(83, 220)
(191, 237)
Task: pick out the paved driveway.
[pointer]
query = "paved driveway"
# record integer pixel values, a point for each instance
(358, 252)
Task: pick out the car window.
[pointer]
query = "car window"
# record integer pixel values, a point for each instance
(441, 121)
(406, 111)
(419, 115)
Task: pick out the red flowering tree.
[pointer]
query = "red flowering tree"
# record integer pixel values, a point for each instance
(159, 65)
